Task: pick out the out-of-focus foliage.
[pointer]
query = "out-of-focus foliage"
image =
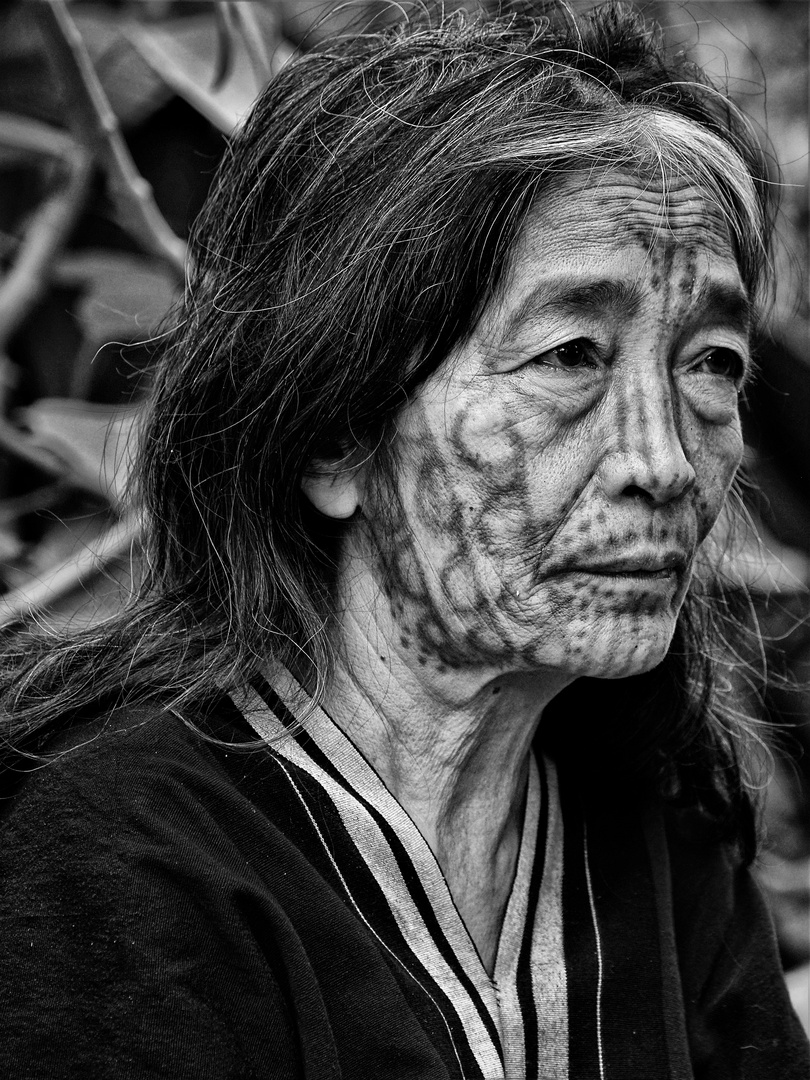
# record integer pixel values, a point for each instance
(113, 116)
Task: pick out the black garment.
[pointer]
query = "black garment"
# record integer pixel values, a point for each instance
(170, 908)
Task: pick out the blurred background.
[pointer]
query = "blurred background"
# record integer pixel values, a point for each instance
(113, 116)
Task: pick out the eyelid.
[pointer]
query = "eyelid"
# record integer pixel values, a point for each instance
(716, 339)
(737, 360)
(589, 347)
(743, 355)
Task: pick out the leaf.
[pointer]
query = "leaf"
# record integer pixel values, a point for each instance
(186, 53)
(80, 571)
(124, 297)
(134, 90)
(226, 32)
(26, 84)
(94, 441)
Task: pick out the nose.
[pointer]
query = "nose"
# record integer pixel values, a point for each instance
(646, 457)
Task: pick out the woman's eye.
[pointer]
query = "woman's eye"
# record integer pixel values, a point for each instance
(724, 362)
(569, 356)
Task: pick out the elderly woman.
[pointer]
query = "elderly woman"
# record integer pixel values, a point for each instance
(407, 762)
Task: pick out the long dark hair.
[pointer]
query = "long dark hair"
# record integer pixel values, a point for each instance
(359, 224)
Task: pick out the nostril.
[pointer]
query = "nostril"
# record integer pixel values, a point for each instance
(658, 487)
(657, 480)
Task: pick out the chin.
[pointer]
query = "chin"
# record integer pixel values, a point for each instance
(630, 657)
(617, 654)
(637, 665)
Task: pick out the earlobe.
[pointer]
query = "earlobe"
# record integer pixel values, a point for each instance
(333, 488)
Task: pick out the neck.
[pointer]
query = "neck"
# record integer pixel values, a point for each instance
(453, 747)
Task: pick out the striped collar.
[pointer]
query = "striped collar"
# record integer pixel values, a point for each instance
(511, 1026)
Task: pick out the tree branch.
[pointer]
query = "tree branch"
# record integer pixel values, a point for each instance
(47, 230)
(96, 126)
(22, 446)
(254, 41)
(19, 604)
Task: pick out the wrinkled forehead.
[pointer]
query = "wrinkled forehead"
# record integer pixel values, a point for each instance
(658, 214)
(596, 243)
(661, 214)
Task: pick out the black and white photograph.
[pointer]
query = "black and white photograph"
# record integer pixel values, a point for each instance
(404, 540)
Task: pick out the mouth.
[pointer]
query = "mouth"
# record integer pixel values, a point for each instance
(658, 565)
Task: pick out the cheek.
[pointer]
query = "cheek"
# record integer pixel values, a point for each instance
(473, 462)
(519, 461)
(715, 457)
(488, 488)
(709, 399)
(456, 532)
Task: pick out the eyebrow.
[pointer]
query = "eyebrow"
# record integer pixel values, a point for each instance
(724, 304)
(577, 298)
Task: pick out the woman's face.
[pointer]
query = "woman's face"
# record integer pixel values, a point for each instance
(556, 475)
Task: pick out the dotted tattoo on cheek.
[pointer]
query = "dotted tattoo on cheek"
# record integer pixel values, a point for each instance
(458, 608)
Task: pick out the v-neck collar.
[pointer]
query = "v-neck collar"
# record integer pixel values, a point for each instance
(491, 1010)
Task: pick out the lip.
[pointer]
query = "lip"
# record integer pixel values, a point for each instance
(648, 564)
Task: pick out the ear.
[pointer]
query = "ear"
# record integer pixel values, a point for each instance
(334, 487)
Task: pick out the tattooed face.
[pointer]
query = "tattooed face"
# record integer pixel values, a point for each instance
(553, 479)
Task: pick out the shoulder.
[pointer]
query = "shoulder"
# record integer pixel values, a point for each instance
(739, 1018)
(129, 768)
(125, 861)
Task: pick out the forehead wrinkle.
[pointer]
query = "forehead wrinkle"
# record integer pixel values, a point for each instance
(672, 197)
(654, 211)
